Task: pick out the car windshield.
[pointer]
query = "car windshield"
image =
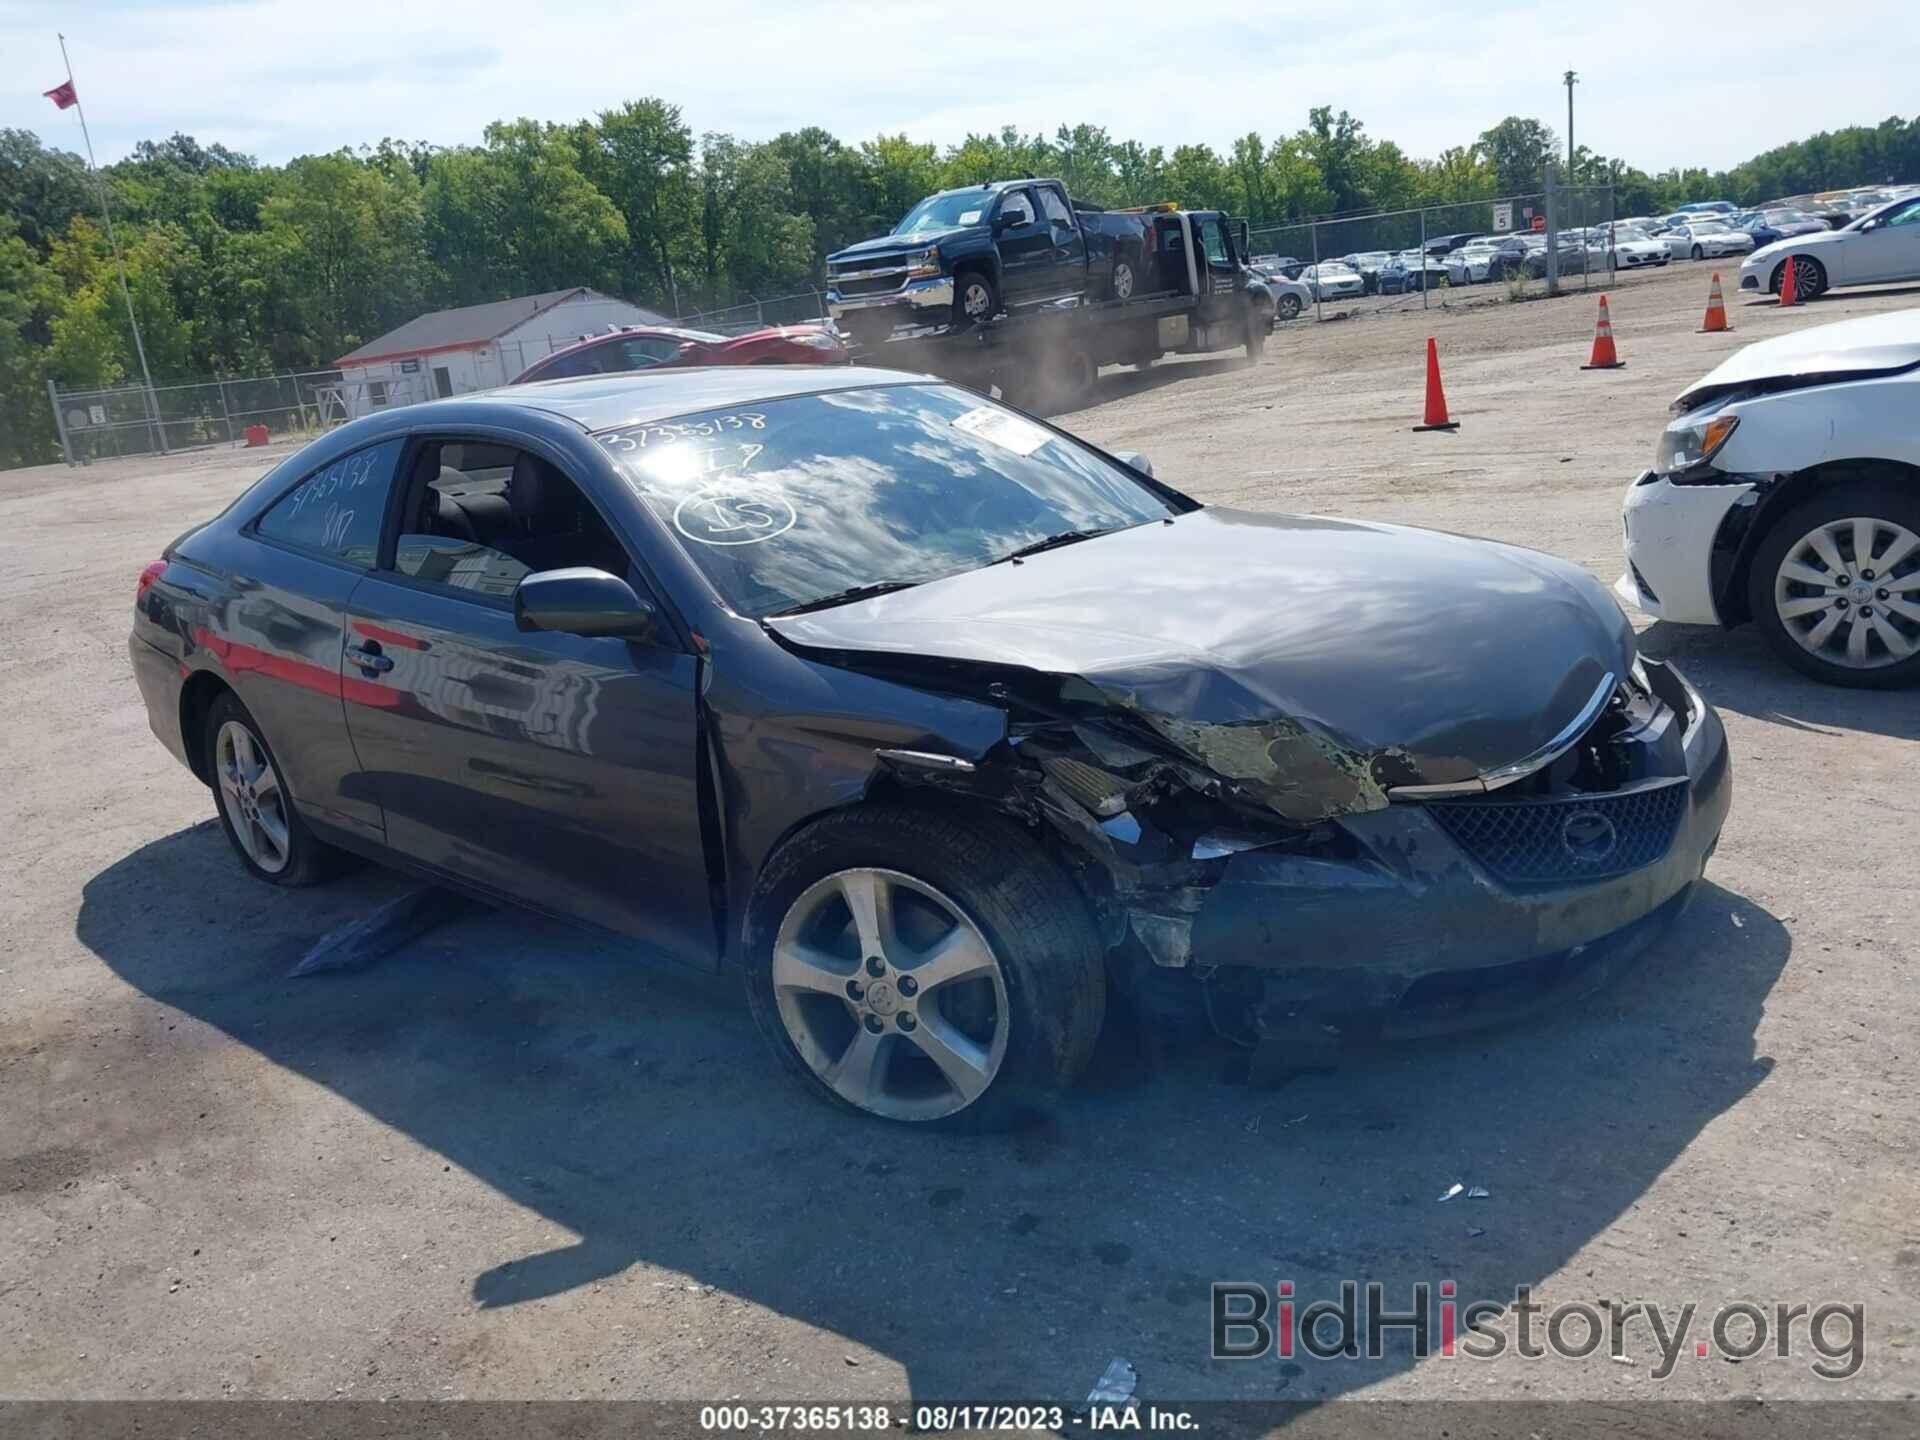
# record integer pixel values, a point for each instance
(791, 501)
(944, 212)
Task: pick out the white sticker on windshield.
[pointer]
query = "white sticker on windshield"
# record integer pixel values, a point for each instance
(970, 217)
(998, 427)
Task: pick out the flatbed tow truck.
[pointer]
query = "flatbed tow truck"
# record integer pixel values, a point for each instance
(1200, 297)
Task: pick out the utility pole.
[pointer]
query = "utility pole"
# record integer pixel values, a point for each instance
(157, 427)
(1573, 175)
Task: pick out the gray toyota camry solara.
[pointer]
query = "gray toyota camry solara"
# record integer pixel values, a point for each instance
(954, 734)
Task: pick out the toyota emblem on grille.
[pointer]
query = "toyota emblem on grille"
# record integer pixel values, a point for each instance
(1589, 837)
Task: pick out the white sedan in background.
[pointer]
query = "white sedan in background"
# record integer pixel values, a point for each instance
(1630, 246)
(1469, 264)
(1875, 249)
(1706, 240)
(1331, 280)
(1784, 493)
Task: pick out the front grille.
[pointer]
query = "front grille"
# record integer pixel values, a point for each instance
(872, 284)
(1575, 837)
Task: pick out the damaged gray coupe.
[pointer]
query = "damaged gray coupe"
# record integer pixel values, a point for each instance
(950, 731)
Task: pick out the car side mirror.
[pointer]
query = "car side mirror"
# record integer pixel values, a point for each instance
(581, 601)
(1004, 221)
(1134, 460)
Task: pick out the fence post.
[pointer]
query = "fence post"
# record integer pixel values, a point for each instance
(1423, 257)
(1553, 237)
(59, 421)
(226, 412)
(1313, 238)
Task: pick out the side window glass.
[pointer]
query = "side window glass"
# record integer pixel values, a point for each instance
(1055, 208)
(1016, 209)
(481, 516)
(1213, 241)
(338, 511)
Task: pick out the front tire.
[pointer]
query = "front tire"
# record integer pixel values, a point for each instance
(1835, 586)
(1257, 324)
(1698, 253)
(1809, 277)
(923, 966)
(976, 299)
(1125, 282)
(1289, 307)
(255, 808)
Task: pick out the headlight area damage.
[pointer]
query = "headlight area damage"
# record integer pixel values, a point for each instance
(1292, 885)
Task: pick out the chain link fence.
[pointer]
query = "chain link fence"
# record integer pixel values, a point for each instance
(1433, 255)
(96, 424)
(807, 307)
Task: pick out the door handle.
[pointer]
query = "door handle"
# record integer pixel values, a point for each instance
(366, 654)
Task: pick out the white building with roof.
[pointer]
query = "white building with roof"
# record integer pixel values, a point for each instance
(475, 347)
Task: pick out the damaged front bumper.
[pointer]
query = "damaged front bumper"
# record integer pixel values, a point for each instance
(1518, 887)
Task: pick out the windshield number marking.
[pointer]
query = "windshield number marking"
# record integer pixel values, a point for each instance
(724, 517)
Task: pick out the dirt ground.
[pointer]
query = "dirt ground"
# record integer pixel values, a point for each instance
(513, 1162)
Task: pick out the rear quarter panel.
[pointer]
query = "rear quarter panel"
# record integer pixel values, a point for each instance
(269, 623)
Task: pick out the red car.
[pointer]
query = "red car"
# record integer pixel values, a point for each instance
(641, 348)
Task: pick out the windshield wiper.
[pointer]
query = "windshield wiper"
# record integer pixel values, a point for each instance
(845, 597)
(1052, 542)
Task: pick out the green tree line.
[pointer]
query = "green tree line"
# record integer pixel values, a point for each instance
(238, 268)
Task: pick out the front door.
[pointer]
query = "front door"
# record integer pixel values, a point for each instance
(1889, 251)
(559, 770)
(1067, 257)
(1025, 243)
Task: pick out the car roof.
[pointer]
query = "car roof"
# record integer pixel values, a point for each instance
(604, 402)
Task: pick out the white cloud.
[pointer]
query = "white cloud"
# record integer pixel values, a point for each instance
(1662, 84)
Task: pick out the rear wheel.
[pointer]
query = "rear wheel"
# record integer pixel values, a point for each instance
(1835, 586)
(255, 809)
(1698, 253)
(924, 967)
(1289, 307)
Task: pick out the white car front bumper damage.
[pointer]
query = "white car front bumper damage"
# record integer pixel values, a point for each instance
(1669, 545)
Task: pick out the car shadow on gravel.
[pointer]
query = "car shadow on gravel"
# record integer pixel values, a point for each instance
(634, 1106)
(1737, 670)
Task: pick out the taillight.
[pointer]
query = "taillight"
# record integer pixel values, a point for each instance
(147, 576)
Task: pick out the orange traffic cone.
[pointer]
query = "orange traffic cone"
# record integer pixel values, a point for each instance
(1605, 357)
(1789, 287)
(1716, 320)
(1436, 418)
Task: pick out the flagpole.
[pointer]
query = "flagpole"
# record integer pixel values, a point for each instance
(159, 430)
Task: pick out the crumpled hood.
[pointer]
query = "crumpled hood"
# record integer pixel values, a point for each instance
(887, 244)
(1872, 344)
(1321, 660)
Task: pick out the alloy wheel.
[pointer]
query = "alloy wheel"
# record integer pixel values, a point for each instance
(890, 994)
(1848, 591)
(255, 804)
(974, 300)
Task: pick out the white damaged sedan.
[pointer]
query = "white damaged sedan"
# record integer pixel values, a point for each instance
(1786, 491)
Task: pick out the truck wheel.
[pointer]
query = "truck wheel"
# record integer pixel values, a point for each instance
(931, 967)
(1124, 280)
(976, 299)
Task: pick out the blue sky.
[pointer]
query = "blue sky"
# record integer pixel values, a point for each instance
(1661, 84)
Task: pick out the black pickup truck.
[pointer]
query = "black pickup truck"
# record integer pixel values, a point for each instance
(962, 256)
